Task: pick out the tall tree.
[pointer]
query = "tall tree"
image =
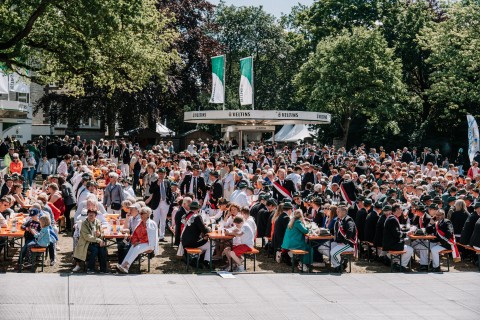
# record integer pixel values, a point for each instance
(250, 31)
(116, 44)
(352, 74)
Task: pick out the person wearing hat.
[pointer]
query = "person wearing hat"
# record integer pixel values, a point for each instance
(240, 196)
(264, 221)
(144, 239)
(195, 231)
(442, 229)
(91, 241)
(195, 184)
(216, 190)
(279, 224)
(316, 214)
(421, 221)
(448, 205)
(361, 217)
(81, 188)
(159, 201)
(371, 222)
(378, 240)
(31, 227)
(184, 208)
(259, 205)
(132, 219)
(345, 233)
(393, 237)
(298, 202)
(469, 226)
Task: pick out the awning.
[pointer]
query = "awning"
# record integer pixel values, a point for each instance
(256, 117)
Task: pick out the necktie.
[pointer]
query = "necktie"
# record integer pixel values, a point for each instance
(162, 191)
(195, 186)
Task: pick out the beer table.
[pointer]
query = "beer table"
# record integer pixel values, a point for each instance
(312, 237)
(216, 236)
(424, 241)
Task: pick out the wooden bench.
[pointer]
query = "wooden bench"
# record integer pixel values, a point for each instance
(369, 248)
(147, 254)
(396, 255)
(35, 252)
(295, 253)
(477, 252)
(192, 252)
(348, 255)
(253, 255)
(446, 253)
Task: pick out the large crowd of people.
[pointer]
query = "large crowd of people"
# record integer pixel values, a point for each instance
(371, 202)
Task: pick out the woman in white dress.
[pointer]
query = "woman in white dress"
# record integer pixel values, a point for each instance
(229, 182)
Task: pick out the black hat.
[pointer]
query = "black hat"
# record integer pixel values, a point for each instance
(264, 196)
(477, 205)
(378, 205)
(433, 206)
(194, 205)
(287, 205)
(469, 197)
(271, 202)
(214, 173)
(86, 177)
(387, 208)
(324, 183)
(161, 170)
(223, 201)
(196, 167)
(450, 199)
(318, 201)
(8, 178)
(367, 201)
(425, 198)
(296, 195)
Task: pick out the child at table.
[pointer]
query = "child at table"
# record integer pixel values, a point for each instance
(242, 243)
(31, 227)
(42, 239)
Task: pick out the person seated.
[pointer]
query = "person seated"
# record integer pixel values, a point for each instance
(393, 237)
(194, 234)
(243, 242)
(445, 239)
(144, 238)
(421, 221)
(91, 239)
(31, 228)
(41, 239)
(132, 219)
(294, 238)
(345, 233)
(279, 225)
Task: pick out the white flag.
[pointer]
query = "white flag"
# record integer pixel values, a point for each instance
(473, 137)
(246, 81)
(17, 83)
(3, 82)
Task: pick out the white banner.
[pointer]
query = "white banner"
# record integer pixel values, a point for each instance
(3, 83)
(17, 83)
(473, 137)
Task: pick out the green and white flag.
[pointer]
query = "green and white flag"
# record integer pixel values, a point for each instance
(246, 81)
(218, 78)
(3, 80)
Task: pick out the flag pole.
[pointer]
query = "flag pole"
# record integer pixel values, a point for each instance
(253, 88)
(224, 79)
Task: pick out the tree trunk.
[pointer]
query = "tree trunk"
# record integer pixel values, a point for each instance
(345, 129)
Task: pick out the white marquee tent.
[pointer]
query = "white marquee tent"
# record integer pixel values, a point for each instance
(293, 133)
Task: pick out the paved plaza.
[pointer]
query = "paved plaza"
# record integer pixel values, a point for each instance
(248, 296)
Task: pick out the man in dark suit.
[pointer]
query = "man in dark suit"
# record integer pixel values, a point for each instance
(469, 225)
(361, 217)
(313, 158)
(282, 188)
(445, 239)
(159, 201)
(181, 212)
(378, 240)
(216, 191)
(345, 233)
(279, 230)
(393, 237)
(124, 159)
(195, 184)
(371, 222)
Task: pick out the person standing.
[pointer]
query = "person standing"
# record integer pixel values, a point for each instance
(113, 195)
(159, 201)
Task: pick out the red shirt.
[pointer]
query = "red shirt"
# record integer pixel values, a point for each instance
(140, 234)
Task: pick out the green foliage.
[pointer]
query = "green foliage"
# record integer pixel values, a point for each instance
(354, 73)
(116, 44)
(455, 61)
(250, 31)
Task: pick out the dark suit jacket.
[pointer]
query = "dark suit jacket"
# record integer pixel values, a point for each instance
(468, 227)
(217, 192)
(178, 224)
(360, 221)
(287, 184)
(279, 230)
(201, 186)
(370, 226)
(378, 240)
(475, 239)
(155, 191)
(392, 235)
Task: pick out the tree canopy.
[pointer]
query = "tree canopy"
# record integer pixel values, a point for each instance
(115, 44)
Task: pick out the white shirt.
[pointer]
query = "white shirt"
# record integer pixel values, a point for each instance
(62, 169)
(246, 238)
(240, 197)
(82, 210)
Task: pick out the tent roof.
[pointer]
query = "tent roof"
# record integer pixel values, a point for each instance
(163, 130)
(297, 132)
